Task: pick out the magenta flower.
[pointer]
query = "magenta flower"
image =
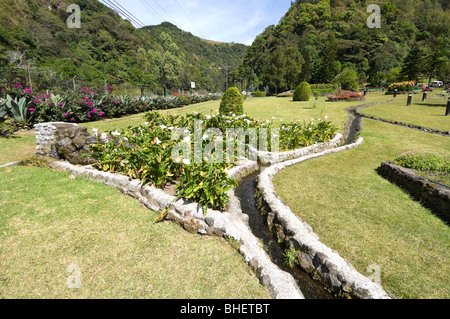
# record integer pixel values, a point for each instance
(67, 114)
(31, 109)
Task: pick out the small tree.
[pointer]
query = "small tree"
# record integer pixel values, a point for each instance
(232, 102)
(302, 92)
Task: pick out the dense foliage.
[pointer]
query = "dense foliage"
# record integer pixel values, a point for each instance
(316, 40)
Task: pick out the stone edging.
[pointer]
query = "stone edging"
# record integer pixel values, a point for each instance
(313, 256)
(434, 196)
(275, 158)
(411, 126)
(232, 223)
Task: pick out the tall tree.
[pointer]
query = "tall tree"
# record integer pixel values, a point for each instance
(329, 65)
(168, 61)
(142, 73)
(437, 60)
(413, 67)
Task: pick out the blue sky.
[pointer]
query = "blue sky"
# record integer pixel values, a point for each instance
(237, 21)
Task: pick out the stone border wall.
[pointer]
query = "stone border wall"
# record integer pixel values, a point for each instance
(67, 141)
(434, 196)
(313, 256)
(270, 158)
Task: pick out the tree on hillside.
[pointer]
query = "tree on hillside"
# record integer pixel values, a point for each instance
(413, 67)
(436, 62)
(142, 73)
(329, 66)
(19, 60)
(168, 61)
(275, 75)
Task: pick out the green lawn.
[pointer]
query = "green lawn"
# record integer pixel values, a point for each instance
(369, 220)
(49, 222)
(429, 114)
(22, 145)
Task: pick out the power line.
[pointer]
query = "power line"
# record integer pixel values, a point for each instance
(190, 19)
(143, 24)
(162, 8)
(124, 13)
(151, 10)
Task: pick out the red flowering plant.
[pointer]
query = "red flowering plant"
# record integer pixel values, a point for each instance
(346, 96)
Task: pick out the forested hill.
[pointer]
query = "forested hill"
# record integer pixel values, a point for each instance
(206, 61)
(106, 47)
(317, 39)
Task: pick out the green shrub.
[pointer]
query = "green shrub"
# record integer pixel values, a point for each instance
(346, 79)
(424, 161)
(232, 102)
(258, 93)
(302, 92)
(355, 87)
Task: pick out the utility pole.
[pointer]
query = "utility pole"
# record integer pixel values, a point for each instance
(227, 68)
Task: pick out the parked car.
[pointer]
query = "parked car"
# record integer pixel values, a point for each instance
(437, 84)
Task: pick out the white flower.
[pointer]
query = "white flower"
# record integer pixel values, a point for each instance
(187, 161)
(187, 139)
(208, 117)
(274, 118)
(158, 141)
(146, 123)
(205, 137)
(326, 117)
(95, 130)
(115, 133)
(170, 128)
(163, 127)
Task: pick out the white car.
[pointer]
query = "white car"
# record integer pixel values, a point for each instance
(437, 84)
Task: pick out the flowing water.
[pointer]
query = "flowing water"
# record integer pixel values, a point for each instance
(246, 193)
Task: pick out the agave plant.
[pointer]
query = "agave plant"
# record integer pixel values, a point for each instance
(3, 110)
(18, 107)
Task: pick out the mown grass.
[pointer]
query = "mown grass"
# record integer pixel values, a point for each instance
(429, 113)
(369, 220)
(49, 222)
(18, 147)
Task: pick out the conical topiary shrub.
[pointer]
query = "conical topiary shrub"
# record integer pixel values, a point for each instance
(232, 102)
(302, 92)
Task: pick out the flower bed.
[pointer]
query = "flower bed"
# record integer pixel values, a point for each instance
(346, 96)
(401, 87)
(159, 152)
(86, 104)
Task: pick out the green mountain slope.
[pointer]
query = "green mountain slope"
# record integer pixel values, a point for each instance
(317, 39)
(103, 49)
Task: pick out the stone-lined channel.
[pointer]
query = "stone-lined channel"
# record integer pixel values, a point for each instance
(246, 194)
